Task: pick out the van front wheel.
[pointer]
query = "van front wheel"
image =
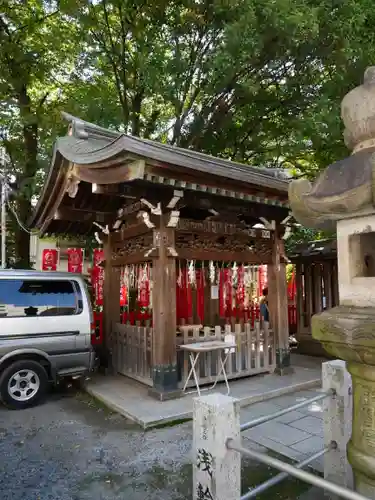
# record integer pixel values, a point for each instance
(23, 384)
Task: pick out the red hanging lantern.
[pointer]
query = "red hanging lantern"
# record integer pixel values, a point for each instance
(50, 258)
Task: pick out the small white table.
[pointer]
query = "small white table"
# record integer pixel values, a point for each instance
(196, 349)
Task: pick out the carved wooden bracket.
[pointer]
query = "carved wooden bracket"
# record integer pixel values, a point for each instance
(152, 252)
(146, 219)
(104, 230)
(285, 223)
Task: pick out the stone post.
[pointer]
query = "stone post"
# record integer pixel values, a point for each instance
(337, 422)
(216, 470)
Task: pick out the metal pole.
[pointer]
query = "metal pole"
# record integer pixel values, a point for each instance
(283, 475)
(267, 418)
(299, 474)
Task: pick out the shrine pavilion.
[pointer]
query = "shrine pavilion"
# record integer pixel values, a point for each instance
(185, 221)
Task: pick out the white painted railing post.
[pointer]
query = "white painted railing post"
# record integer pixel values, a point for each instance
(216, 470)
(337, 422)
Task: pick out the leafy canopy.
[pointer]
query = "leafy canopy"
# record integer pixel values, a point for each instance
(253, 81)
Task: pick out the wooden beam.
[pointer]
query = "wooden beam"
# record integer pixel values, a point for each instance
(109, 173)
(221, 229)
(134, 258)
(72, 214)
(126, 233)
(222, 256)
(203, 201)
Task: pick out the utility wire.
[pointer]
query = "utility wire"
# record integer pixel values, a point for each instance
(8, 191)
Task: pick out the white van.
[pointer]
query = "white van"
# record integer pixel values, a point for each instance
(46, 324)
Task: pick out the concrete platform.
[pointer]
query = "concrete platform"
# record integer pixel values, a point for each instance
(131, 400)
(296, 435)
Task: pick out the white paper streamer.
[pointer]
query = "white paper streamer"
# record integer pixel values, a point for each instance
(212, 272)
(191, 272)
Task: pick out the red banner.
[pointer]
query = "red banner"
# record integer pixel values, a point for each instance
(75, 260)
(98, 257)
(97, 283)
(50, 259)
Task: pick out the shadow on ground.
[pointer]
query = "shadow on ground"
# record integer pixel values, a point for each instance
(73, 448)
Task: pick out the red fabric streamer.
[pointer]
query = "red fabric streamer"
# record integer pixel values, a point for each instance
(184, 299)
(200, 295)
(240, 292)
(143, 289)
(123, 296)
(228, 293)
(221, 293)
(292, 290)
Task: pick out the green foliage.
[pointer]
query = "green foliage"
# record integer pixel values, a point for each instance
(253, 81)
(36, 58)
(302, 234)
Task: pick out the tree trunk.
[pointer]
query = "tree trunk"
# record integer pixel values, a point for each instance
(30, 167)
(21, 237)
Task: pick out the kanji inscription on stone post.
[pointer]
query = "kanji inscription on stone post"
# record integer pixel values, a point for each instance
(216, 470)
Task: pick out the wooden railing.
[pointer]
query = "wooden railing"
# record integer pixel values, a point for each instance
(132, 351)
(255, 352)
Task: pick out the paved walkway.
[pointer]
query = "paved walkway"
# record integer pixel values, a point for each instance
(295, 435)
(131, 399)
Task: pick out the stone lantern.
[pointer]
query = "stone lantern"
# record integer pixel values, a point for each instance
(343, 196)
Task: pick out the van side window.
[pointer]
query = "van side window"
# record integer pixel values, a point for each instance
(32, 297)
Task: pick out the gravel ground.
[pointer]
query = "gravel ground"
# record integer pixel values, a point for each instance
(72, 448)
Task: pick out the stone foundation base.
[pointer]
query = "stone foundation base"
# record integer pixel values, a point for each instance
(286, 370)
(164, 395)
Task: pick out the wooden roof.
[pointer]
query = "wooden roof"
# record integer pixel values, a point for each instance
(314, 250)
(92, 161)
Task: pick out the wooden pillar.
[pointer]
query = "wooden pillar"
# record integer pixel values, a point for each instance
(278, 305)
(299, 300)
(164, 359)
(317, 283)
(111, 300)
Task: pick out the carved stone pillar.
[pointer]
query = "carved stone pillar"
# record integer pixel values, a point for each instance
(344, 194)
